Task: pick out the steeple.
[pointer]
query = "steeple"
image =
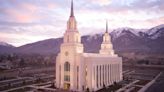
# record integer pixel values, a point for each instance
(106, 26)
(106, 37)
(72, 35)
(72, 11)
(106, 46)
(71, 24)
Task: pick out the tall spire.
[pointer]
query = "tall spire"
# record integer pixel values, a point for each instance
(106, 26)
(72, 11)
(71, 24)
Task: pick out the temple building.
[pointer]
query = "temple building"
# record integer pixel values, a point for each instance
(77, 70)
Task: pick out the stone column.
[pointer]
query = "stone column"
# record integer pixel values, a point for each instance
(118, 72)
(106, 72)
(72, 79)
(114, 73)
(98, 77)
(101, 76)
(120, 66)
(89, 77)
(93, 78)
(82, 75)
(62, 76)
(111, 73)
(105, 75)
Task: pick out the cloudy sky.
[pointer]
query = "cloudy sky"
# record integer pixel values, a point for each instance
(27, 21)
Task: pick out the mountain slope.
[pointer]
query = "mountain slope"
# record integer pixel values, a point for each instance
(41, 47)
(6, 48)
(156, 32)
(124, 40)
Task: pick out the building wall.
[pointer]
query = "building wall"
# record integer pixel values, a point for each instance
(92, 78)
(85, 70)
(111, 71)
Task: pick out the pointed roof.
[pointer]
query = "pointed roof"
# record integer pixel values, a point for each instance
(72, 11)
(106, 26)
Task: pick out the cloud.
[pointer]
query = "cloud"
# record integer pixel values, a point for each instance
(101, 2)
(52, 5)
(26, 21)
(20, 39)
(155, 21)
(27, 34)
(11, 24)
(22, 17)
(29, 7)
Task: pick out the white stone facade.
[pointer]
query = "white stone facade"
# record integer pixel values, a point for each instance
(76, 70)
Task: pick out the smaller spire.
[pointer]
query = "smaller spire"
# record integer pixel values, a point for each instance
(72, 11)
(106, 26)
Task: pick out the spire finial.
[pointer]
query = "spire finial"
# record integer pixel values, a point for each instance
(106, 26)
(72, 11)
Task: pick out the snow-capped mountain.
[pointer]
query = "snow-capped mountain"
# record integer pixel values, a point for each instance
(136, 40)
(94, 36)
(124, 40)
(154, 29)
(123, 31)
(152, 33)
(5, 44)
(156, 32)
(6, 48)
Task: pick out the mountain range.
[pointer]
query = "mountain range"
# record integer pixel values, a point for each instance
(125, 40)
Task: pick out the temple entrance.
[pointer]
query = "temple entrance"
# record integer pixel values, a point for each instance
(66, 86)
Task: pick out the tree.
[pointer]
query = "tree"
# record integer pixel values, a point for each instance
(22, 63)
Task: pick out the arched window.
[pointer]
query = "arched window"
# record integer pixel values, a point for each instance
(66, 66)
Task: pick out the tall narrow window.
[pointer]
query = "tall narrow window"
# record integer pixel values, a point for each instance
(67, 69)
(67, 66)
(67, 78)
